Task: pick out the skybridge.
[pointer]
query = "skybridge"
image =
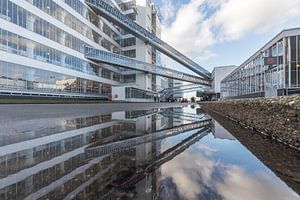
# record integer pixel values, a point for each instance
(189, 87)
(98, 55)
(163, 158)
(98, 151)
(166, 93)
(115, 16)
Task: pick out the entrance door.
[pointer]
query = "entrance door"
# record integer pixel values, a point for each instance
(271, 81)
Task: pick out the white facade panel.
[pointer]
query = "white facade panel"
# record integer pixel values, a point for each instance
(118, 94)
(218, 74)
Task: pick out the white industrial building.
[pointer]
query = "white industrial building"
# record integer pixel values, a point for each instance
(44, 43)
(274, 70)
(218, 74)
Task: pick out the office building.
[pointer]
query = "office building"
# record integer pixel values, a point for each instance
(43, 49)
(274, 70)
(218, 74)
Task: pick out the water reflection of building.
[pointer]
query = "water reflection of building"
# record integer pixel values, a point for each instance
(146, 181)
(30, 165)
(50, 162)
(220, 132)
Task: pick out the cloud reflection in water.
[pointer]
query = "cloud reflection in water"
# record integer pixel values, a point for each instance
(200, 174)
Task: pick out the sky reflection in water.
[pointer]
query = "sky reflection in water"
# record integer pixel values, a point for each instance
(216, 168)
(131, 155)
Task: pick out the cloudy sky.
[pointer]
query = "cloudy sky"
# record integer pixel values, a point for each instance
(224, 32)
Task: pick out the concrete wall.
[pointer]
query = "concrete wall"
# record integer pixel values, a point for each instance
(144, 51)
(144, 81)
(118, 93)
(143, 18)
(218, 74)
(278, 118)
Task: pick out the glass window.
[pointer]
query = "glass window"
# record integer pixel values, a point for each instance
(298, 61)
(294, 68)
(3, 39)
(293, 49)
(280, 48)
(19, 77)
(3, 8)
(287, 53)
(14, 14)
(293, 74)
(127, 93)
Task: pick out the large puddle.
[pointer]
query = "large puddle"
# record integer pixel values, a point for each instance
(164, 153)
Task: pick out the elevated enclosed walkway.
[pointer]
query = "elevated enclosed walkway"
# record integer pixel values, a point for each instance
(115, 59)
(98, 151)
(116, 17)
(183, 88)
(162, 158)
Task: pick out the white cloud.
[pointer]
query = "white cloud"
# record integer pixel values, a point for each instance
(186, 173)
(168, 11)
(193, 173)
(189, 32)
(201, 24)
(207, 150)
(239, 184)
(236, 18)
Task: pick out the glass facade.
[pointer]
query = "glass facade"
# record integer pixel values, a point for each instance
(56, 33)
(270, 72)
(19, 45)
(26, 79)
(26, 19)
(294, 62)
(54, 10)
(134, 93)
(36, 80)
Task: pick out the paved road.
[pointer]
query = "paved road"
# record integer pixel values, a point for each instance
(11, 113)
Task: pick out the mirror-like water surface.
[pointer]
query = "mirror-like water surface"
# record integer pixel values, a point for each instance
(163, 153)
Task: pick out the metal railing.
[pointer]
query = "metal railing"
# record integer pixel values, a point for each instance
(123, 61)
(115, 16)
